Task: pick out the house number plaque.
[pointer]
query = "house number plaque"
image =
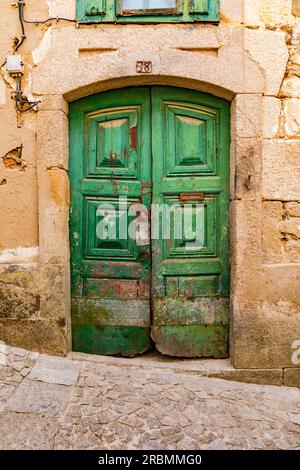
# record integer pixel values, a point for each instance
(144, 66)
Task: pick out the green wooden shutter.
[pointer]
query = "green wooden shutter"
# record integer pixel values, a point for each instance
(199, 6)
(94, 7)
(189, 11)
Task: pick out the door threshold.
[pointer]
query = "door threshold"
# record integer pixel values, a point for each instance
(204, 367)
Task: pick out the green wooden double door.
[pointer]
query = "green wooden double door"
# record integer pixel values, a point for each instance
(149, 172)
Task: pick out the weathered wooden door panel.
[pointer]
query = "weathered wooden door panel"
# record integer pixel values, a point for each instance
(191, 175)
(120, 142)
(110, 159)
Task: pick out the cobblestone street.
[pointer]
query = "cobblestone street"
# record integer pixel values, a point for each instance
(62, 403)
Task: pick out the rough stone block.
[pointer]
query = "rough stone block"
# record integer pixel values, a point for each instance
(291, 377)
(290, 87)
(271, 115)
(281, 170)
(268, 49)
(55, 295)
(272, 239)
(28, 432)
(254, 376)
(292, 250)
(55, 370)
(292, 209)
(246, 181)
(52, 140)
(54, 216)
(246, 239)
(38, 397)
(263, 334)
(291, 227)
(281, 234)
(295, 57)
(279, 281)
(269, 12)
(54, 103)
(19, 293)
(38, 335)
(291, 116)
(246, 115)
(232, 11)
(18, 303)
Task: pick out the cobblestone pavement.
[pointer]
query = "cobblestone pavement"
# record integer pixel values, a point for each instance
(60, 403)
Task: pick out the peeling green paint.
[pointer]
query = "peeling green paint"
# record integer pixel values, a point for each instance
(110, 340)
(192, 340)
(200, 311)
(110, 278)
(179, 147)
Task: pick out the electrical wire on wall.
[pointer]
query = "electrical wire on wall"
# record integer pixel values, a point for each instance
(22, 103)
(21, 5)
(23, 36)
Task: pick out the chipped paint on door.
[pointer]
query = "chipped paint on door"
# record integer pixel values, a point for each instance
(110, 158)
(190, 284)
(121, 141)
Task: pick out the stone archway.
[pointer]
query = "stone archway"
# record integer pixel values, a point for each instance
(219, 67)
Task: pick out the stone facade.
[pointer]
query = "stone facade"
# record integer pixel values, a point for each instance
(252, 58)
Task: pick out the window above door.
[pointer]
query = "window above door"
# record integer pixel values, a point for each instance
(148, 11)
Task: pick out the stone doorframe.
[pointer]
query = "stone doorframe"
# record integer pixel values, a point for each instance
(53, 157)
(225, 69)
